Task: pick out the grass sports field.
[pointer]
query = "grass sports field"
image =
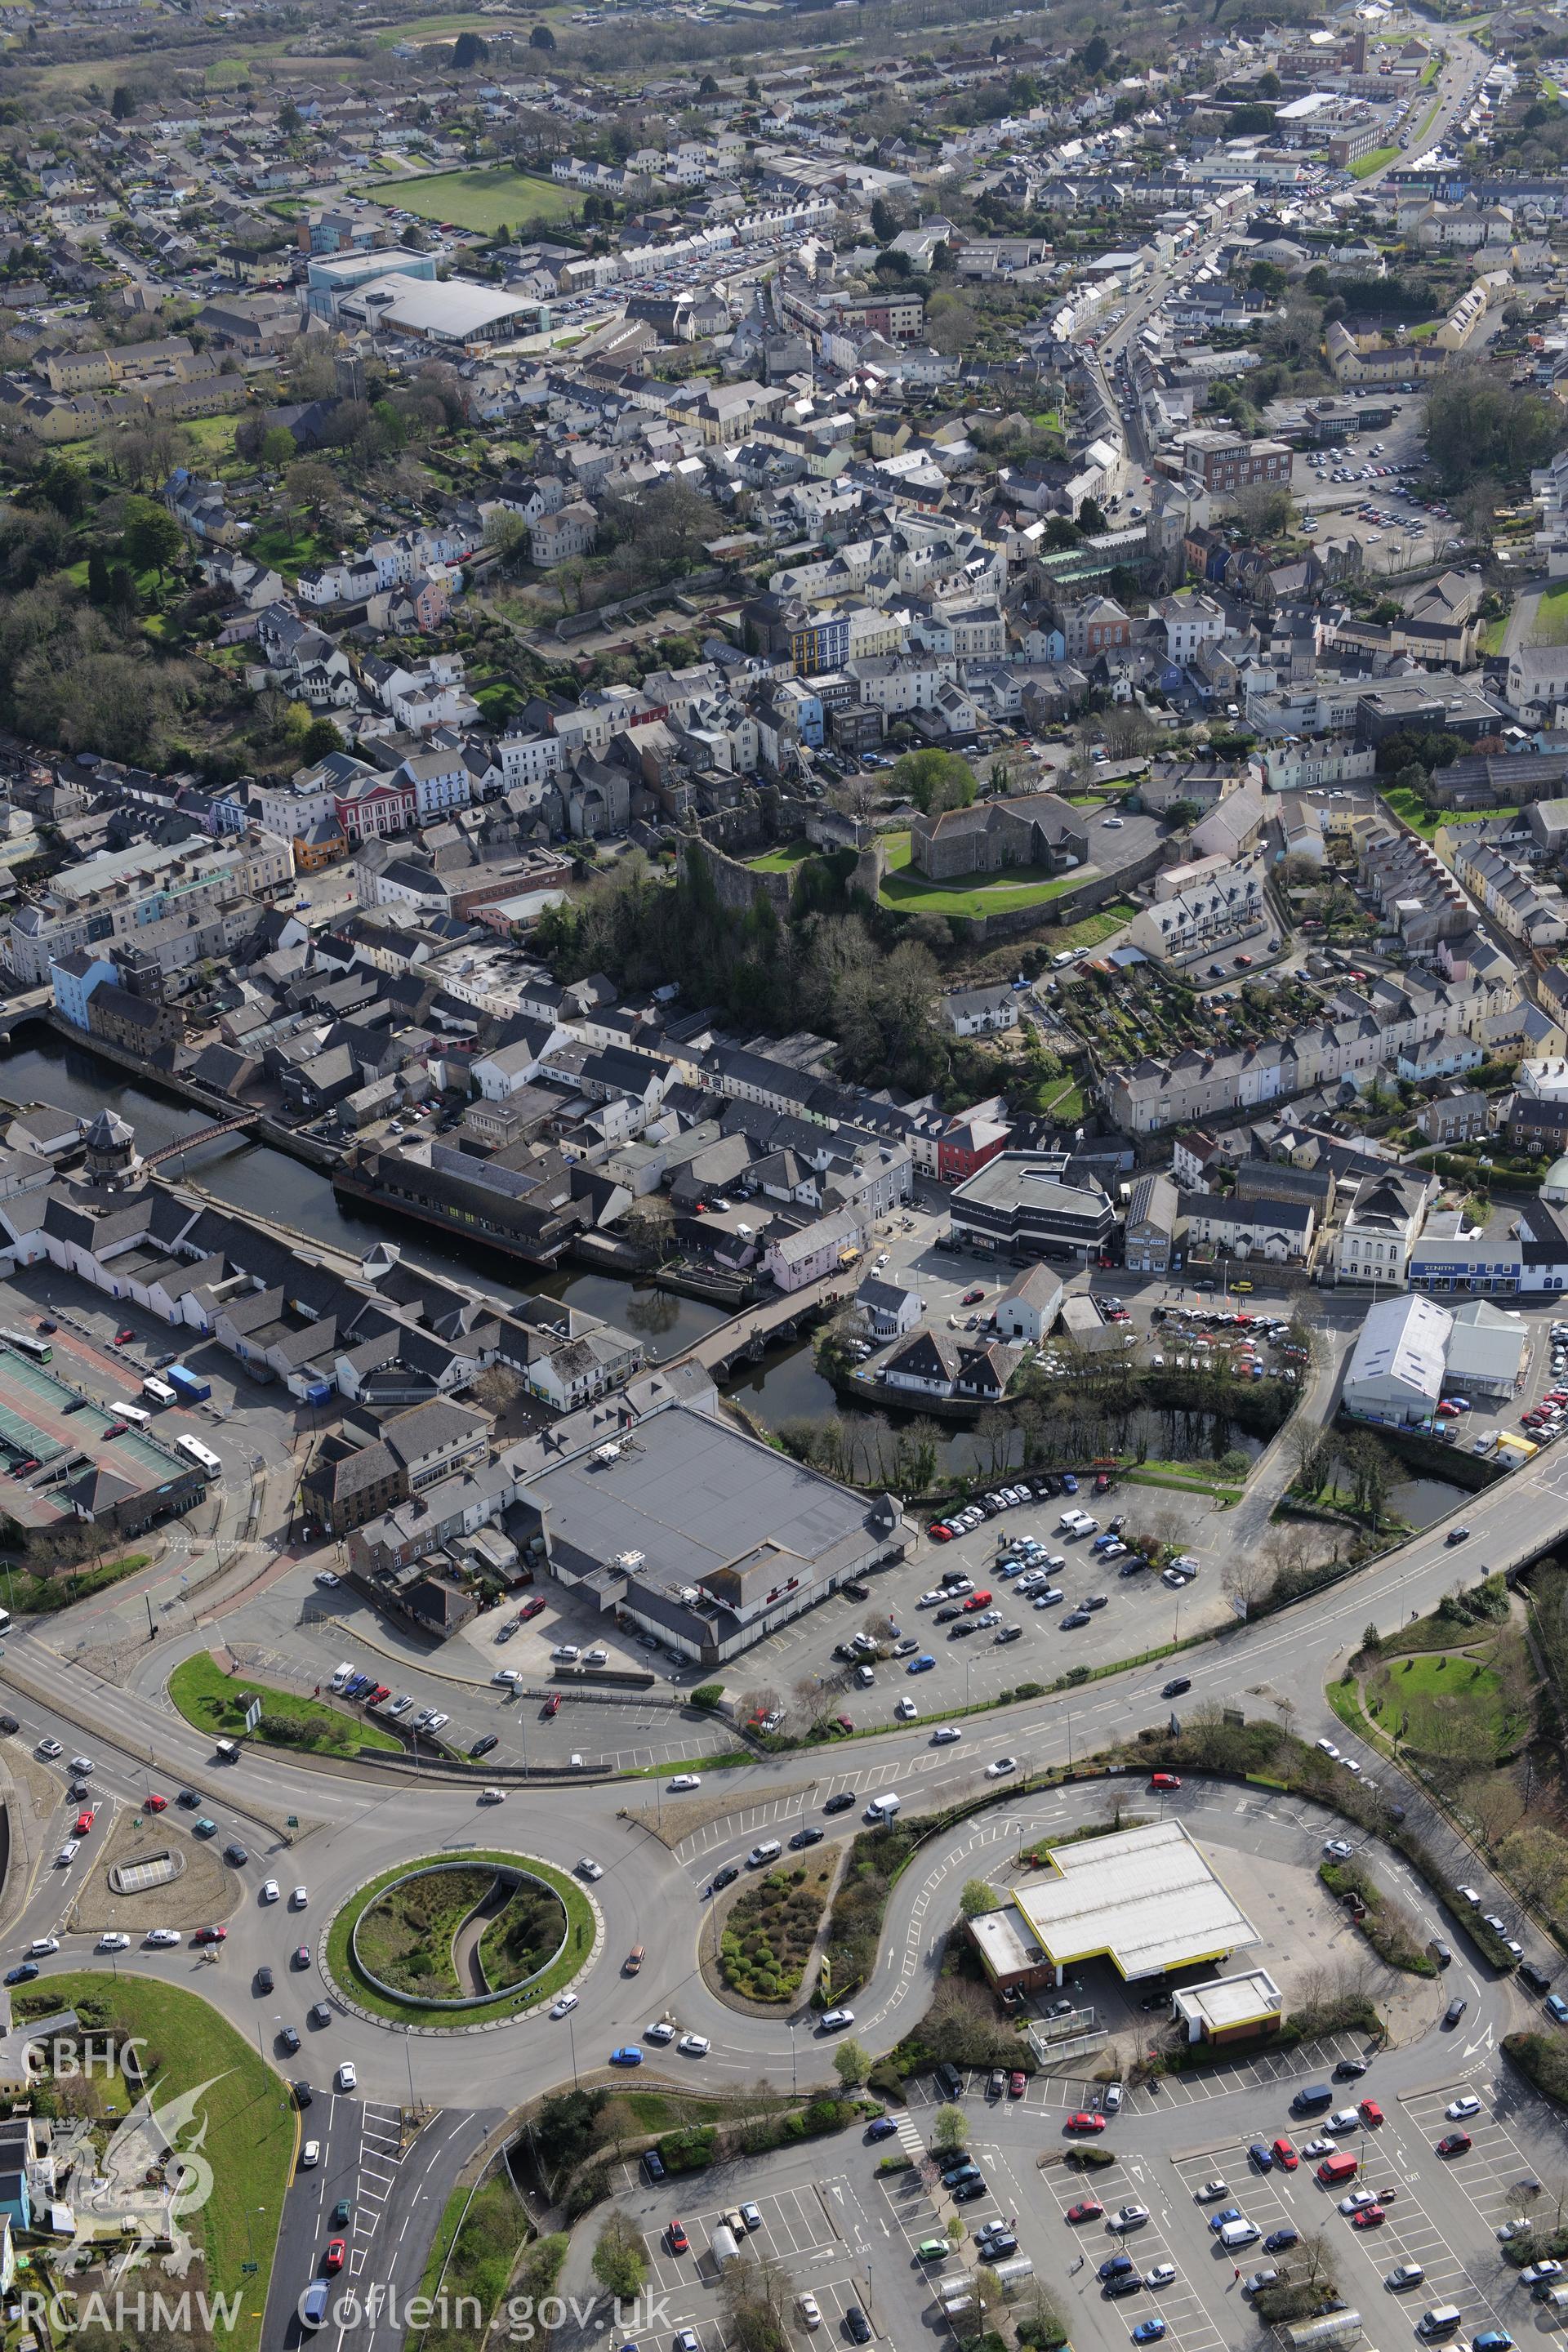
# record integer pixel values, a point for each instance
(485, 200)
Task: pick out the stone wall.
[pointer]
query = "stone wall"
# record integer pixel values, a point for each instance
(738, 886)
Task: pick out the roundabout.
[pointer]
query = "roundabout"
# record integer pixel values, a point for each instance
(455, 1943)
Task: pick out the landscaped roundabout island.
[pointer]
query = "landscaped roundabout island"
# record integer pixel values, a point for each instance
(459, 1941)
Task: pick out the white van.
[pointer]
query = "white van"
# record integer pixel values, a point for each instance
(1238, 2233)
(1441, 2320)
(882, 1809)
(342, 1674)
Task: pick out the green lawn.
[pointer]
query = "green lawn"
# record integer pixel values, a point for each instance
(485, 200)
(249, 2124)
(216, 1702)
(1425, 820)
(1373, 163)
(1000, 894)
(1551, 617)
(781, 860)
(287, 544)
(1406, 1685)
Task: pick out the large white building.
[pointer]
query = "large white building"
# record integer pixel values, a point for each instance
(1397, 1367)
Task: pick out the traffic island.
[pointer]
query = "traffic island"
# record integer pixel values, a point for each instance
(439, 1946)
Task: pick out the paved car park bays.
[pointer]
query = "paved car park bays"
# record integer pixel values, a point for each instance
(827, 2233)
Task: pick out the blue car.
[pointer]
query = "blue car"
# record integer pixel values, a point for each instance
(1278, 2240)
(1069, 1484)
(24, 1974)
(1218, 2220)
(1148, 2331)
(921, 1666)
(880, 2127)
(1262, 2156)
(1556, 2006)
(1117, 2267)
(629, 2055)
(1493, 2339)
(1008, 1568)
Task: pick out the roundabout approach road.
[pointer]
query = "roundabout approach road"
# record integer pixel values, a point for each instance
(352, 1823)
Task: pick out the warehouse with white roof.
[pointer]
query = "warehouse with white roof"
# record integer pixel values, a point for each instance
(1144, 1900)
(1396, 1370)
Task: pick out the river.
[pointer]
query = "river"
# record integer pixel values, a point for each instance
(254, 1176)
(785, 1385)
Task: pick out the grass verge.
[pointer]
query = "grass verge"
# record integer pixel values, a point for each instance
(40, 1596)
(483, 2252)
(216, 1702)
(250, 2127)
(579, 1944)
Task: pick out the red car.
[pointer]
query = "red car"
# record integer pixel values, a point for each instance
(530, 1609)
(336, 2255)
(1371, 2113)
(154, 1804)
(1164, 1781)
(972, 1298)
(1284, 2155)
(1454, 2143)
(976, 1600)
(83, 1822)
(210, 1935)
(678, 2242)
(373, 1697)
(552, 1704)
(1018, 2083)
(1088, 2208)
(939, 1533)
(123, 1337)
(1368, 2218)
(844, 1722)
(1084, 2122)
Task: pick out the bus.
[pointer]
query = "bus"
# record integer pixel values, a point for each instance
(27, 1343)
(158, 1392)
(135, 1413)
(202, 1456)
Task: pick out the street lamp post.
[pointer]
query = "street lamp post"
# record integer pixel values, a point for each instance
(794, 2082)
(573, 2039)
(409, 2053)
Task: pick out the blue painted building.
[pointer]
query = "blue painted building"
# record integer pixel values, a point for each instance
(73, 980)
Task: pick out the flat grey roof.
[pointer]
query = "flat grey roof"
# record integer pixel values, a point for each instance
(692, 1496)
(1016, 1179)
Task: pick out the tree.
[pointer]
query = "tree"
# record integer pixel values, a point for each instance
(619, 2264)
(1091, 517)
(154, 540)
(1095, 55)
(468, 50)
(885, 222)
(1182, 812)
(977, 1898)
(122, 106)
(851, 2063)
(949, 2130)
(291, 121)
(541, 37)
(508, 535)
(311, 484)
(277, 448)
(936, 780)
(321, 736)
